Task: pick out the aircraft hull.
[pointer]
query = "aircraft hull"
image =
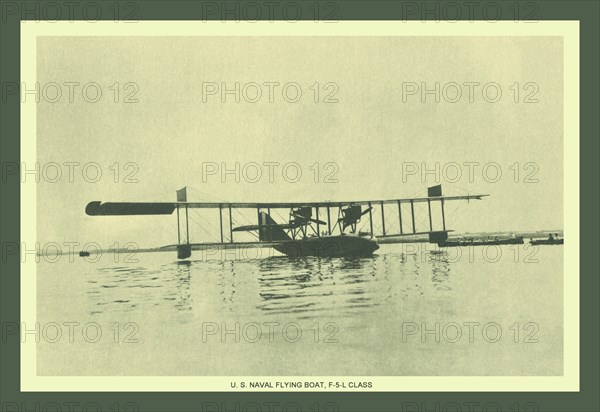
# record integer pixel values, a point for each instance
(329, 246)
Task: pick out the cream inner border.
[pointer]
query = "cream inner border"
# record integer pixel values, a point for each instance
(569, 30)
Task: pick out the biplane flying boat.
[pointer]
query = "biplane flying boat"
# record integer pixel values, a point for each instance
(302, 234)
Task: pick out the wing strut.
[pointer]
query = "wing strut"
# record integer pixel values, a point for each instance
(230, 226)
(318, 222)
(443, 216)
(221, 221)
(430, 222)
(184, 250)
(412, 214)
(178, 227)
(383, 218)
(400, 216)
(371, 218)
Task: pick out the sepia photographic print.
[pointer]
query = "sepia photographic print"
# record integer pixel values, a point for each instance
(350, 206)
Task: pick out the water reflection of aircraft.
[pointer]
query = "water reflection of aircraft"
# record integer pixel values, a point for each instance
(315, 287)
(301, 235)
(440, 269)
(184, 303)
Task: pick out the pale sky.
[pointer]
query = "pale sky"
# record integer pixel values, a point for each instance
(371, 134)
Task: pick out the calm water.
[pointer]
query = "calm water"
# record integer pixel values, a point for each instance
(405, 311)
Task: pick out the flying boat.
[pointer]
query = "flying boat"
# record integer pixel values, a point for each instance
(306, 233)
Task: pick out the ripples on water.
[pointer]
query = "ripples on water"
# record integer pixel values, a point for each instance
(303, 287)
(368, 299)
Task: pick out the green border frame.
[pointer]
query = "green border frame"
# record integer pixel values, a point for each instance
(587, 400)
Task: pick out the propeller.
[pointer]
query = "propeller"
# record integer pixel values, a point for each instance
(304, 214)
(352, 214)
(366, 211)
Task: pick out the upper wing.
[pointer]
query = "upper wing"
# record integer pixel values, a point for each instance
(97, 208)
(129, 208)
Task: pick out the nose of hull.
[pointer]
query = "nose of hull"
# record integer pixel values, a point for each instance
(374, 243)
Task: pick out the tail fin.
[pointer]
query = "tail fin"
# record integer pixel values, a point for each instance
(271, 230)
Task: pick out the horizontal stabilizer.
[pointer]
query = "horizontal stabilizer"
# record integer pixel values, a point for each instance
(129, 209)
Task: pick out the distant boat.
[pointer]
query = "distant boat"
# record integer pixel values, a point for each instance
(454, 243)
(84, 253)
(547, 242)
